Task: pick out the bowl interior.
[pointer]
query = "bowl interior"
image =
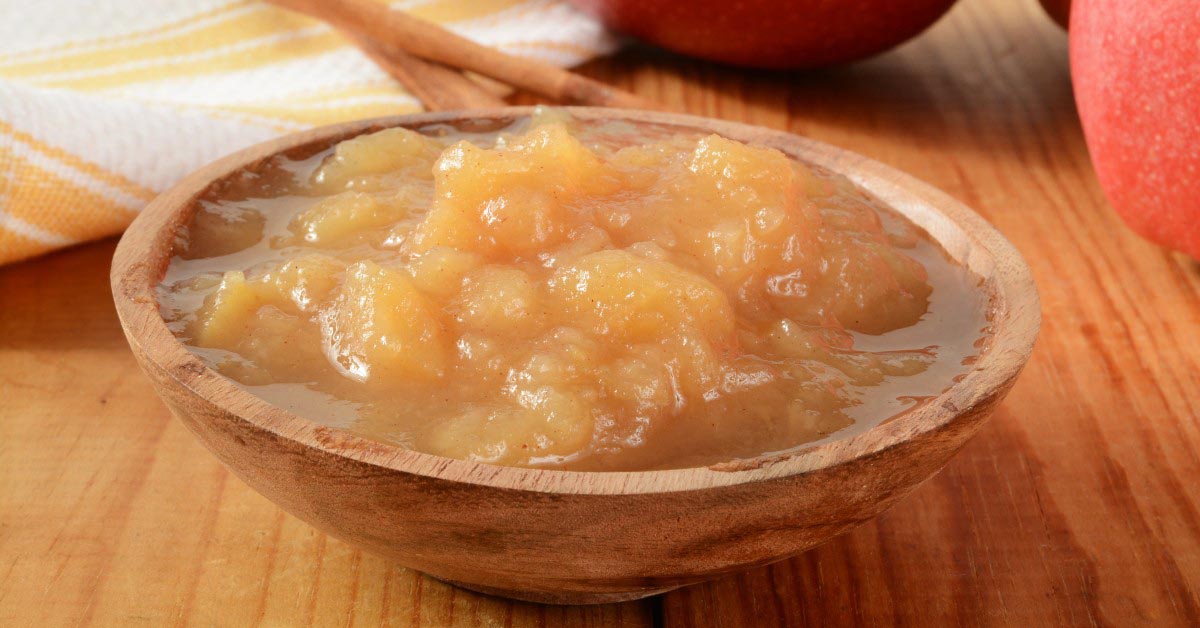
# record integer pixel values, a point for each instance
(146, 249)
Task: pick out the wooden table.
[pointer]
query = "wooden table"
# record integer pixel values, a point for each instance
(1078, 504)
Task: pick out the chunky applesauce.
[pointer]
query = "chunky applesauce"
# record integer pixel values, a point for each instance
(571, 294)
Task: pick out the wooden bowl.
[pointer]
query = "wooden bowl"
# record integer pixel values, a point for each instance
(563, 536)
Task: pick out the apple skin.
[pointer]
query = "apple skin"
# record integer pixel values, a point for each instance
(770, 33)
(1135, 66)
(1058, 10)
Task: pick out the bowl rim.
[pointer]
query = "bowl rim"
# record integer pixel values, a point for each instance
(145, 251)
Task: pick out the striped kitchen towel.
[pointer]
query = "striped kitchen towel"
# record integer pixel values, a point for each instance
(104, 103)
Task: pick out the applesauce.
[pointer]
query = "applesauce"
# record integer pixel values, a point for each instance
(570, 294)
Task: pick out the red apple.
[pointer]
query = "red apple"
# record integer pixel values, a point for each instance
(1058, 10)
(770, 33)
(1135, 65)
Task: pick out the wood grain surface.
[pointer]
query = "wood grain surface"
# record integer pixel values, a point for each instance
(1077, 504)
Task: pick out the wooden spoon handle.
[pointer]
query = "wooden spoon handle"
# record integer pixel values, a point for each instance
(431, 42)
(435, 85)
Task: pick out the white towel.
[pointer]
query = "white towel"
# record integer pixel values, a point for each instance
(105, 103)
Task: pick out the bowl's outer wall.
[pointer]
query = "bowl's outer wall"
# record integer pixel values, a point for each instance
(560, 547)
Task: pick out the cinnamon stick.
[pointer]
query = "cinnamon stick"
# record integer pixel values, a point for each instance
(377, 22)
(435, 85)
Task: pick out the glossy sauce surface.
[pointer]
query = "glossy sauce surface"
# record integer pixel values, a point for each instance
(560, 293)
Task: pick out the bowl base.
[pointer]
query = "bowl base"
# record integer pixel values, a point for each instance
(566, 598)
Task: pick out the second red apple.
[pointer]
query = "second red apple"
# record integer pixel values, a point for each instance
(1136, 69)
